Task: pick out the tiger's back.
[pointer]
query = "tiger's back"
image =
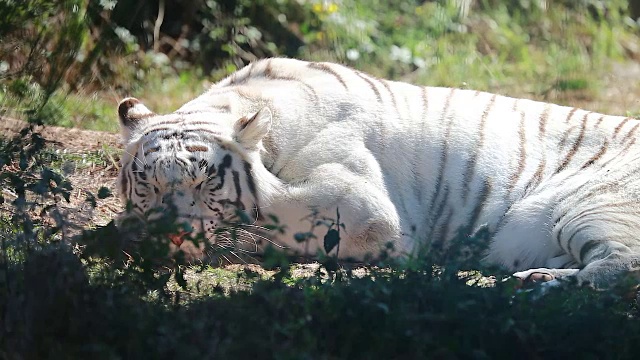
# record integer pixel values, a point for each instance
(415, 165)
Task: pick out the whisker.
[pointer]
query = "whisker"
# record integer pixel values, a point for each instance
(263, 238)
(253, 242)
(226, 258)
(144, 158)
(238, 257)
(254, 226)
(136, 159)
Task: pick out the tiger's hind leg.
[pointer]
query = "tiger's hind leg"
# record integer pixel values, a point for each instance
(600, 244)
(600, 274)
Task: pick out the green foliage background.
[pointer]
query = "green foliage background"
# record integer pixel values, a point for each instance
(70, 51)
(68, 62)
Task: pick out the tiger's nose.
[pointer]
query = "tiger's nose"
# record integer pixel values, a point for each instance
(178, 238)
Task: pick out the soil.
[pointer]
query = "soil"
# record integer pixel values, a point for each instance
(85, 178)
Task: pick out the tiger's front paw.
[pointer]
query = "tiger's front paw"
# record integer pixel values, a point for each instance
(545, 277)
(534, 276)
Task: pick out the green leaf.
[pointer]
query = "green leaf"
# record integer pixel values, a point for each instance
(331, 240)
(302, 236)
(330, 263)
(273, 218)
(244, 217)
(91, 200)
(104, 192)
(23, 161)
(179, 277)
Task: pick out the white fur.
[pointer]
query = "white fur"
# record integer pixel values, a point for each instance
(374, 154)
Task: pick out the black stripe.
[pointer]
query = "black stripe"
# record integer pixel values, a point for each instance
(417, 189)
(268, 73)
(595, 190)
(250, 183)
(445, 150)
(371, 85)
(391, 94)
(576, 145)
(222, 171)
(597, 124)
(619, 127)
(144, 184)
(620, 154)
(181, 135)
(560, 231)
(631, 132)
(236, 183)
(586, 248)
(212, 207)
(522, 156)
(483, 197)
(327, 69)
(570, 240)
(543, 121)
(471, 164)
(536, 177)
(181, 162)
(439, 211)
(151, 150)
(444, 230)
(597, 156)
(570, 115)
(211, 170)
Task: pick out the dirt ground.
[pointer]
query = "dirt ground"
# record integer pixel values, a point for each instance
(85, 178)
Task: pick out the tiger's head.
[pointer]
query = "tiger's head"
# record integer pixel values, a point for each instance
(202, 167)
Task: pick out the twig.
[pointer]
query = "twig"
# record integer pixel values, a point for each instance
(157, 25)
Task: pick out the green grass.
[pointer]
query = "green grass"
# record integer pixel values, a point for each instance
(164, 93)
(501, 47)
(97, 111)
(67, 162)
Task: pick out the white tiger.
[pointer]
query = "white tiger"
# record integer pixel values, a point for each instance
(556, 187)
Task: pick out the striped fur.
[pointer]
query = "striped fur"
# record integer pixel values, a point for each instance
(555, 186)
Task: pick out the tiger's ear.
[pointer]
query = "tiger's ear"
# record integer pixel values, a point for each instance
(250, 130)
(132, 113)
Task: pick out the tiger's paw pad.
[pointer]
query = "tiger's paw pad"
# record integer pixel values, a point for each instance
(533, 277)
(542, 280)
